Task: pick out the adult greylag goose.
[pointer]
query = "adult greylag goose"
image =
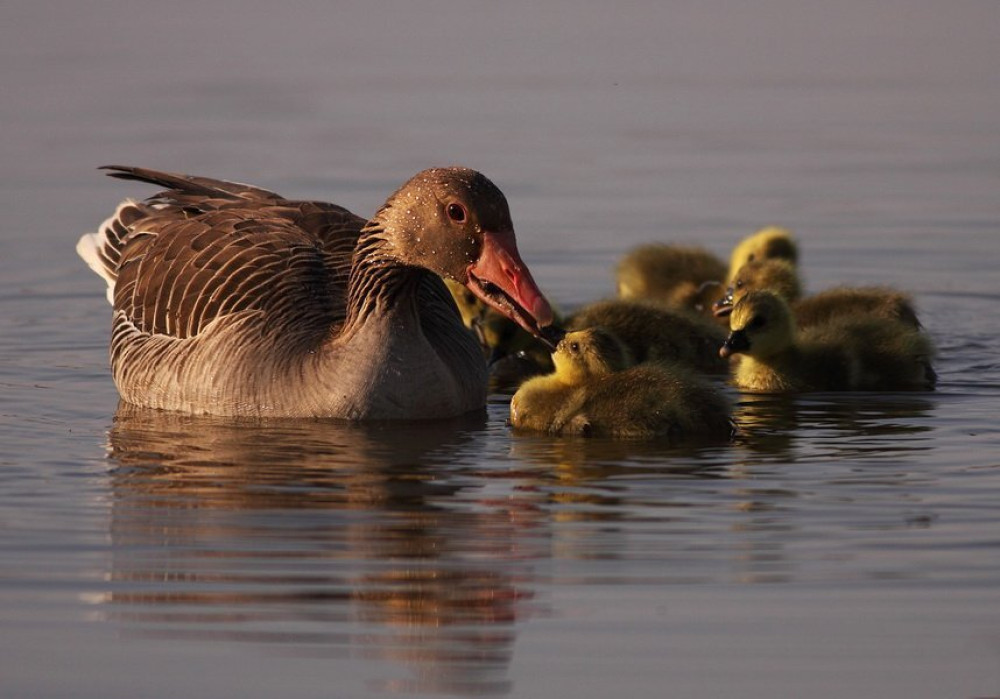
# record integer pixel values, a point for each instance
(232, 300)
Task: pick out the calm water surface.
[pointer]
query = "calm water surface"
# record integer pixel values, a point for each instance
(842, 546)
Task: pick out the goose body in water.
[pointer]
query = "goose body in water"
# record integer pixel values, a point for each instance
(232, 300)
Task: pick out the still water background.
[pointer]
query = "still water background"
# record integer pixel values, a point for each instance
(844, 546)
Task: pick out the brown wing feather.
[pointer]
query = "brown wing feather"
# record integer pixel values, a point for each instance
(184, 273)
(190, 189)
(335, 229)
(205, 248)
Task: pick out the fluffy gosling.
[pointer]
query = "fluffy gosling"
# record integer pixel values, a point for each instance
(596, 390)
(850, 354)
(838, 303)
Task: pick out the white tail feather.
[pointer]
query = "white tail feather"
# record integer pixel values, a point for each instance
(87, 248)
(92, 246)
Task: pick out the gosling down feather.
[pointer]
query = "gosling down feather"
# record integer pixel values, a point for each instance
(849, 354)
(596, 390)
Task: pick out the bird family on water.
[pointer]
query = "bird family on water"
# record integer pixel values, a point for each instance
(230, 299)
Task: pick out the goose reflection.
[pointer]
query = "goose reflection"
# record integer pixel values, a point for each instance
(323, 538)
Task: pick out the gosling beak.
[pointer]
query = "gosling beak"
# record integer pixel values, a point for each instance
(552, 336)
(736, 342)
(501, 279)
(724, 306)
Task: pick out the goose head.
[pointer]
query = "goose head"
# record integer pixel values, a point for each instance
(455, 222)
(592, 352)
(776, 274)
(761, 326)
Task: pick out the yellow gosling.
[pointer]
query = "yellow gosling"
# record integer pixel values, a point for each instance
(777, 275)
(691, 277)
(655, 333)
(846, 302)
(597, 391)
(850, 354)
(548, 403)
(839, 303)
(671, 275)
(771, 242)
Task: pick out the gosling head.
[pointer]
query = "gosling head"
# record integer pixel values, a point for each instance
(772, 242)
(777, 275)
(761, 326)
(589, 353)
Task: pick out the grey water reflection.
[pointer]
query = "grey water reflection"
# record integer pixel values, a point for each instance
(796, 427)
(645, 514)
(322, 539)
(421, 549)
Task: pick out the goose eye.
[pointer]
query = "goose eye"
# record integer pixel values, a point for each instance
(456, 212)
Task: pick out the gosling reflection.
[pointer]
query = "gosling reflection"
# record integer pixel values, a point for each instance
(793, 427)
(769, 423)
(325, 538)
(580, 461)
(595, 490)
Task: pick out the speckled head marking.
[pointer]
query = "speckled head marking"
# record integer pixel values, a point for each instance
(761, 325)
(456, 222)
(459, 201)
(591, 352)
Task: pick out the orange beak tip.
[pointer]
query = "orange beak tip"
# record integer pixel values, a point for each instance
(542, 312)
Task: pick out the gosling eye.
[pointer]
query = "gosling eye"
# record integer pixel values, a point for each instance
(739, 283)
(456, 212)
(574, 347)
(756, 323)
